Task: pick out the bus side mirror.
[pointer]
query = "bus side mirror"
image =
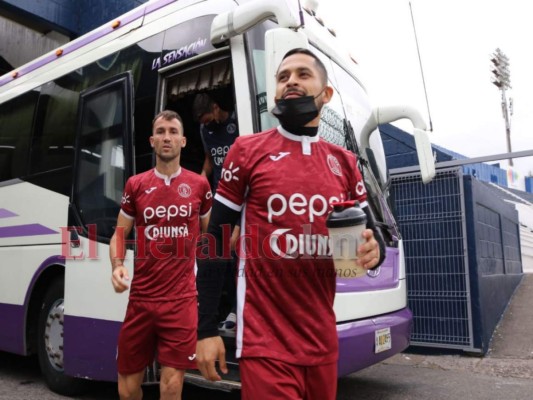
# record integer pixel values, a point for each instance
(424, 151)
(425, 155)
(277, 43)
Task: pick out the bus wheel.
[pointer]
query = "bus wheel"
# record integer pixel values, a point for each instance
(50, 340)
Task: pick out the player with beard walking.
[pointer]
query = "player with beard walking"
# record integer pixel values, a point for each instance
(284, 181)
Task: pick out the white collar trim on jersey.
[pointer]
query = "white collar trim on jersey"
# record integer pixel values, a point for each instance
(167, 178)
(306, 140)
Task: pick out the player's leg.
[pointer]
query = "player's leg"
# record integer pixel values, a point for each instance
(129, 386)
(135, 350)
(171, 384)
(176, 324)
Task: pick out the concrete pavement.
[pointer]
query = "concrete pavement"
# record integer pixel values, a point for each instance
(511, 349)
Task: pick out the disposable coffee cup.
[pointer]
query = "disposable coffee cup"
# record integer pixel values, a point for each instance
(346, 224)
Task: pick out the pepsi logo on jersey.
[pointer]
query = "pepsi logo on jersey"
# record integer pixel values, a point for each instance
(298, 204)
(184, 210)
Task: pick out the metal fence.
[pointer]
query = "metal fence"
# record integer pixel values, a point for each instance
(432, 222)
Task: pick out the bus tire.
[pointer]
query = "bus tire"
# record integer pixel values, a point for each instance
(50, 342)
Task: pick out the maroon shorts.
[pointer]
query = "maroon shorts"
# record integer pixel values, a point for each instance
(268, 379)
(166, 330)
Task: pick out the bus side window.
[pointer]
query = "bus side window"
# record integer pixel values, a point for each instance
(53, 143)
(16, 118)
(103, 157)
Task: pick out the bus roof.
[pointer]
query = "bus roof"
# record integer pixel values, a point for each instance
(135, 19)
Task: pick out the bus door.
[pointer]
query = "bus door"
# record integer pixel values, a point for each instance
(222, 75)
(103, 162)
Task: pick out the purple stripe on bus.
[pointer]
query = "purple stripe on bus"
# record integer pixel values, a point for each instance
(86, 39)
(25, 230)
(357, 340)
(12, 331)
(387, 276)
(6, 213)
(90, 347)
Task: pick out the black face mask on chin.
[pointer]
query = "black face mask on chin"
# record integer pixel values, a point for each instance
(295, 112)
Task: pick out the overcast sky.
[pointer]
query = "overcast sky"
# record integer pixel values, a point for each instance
(456, 39)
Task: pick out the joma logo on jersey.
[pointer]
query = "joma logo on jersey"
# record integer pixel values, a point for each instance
(297, 204)
(167, 213)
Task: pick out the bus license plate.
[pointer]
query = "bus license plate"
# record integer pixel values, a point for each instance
(383, 340)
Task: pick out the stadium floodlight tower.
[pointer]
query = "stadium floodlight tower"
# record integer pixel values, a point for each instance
(502, 80)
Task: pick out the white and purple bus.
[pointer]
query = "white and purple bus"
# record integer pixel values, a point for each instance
(74, 125)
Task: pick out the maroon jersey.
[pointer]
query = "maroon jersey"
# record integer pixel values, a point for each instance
(166, 212)
(284, 185)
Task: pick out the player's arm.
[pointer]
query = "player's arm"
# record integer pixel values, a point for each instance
(209, 283)
(117, 253)
(204, 222)
(207, 168)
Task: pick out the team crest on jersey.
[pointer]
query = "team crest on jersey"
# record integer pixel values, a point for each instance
(231, 128)
(184, 190)
(334, 165)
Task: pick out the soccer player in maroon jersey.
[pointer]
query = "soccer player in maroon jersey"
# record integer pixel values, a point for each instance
(283, 181)
(166, 205)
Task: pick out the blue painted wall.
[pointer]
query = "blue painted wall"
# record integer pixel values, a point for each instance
(400, 150)
(493, 255)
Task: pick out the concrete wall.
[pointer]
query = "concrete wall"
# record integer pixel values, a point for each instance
(72, 17)
(19, 44)
(30, 28)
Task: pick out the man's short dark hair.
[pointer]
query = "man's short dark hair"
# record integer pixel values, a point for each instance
(319, 64)
(168, 115)
(202, 104)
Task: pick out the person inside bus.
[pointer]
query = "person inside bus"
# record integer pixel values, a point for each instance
(167, 205)
(218, 131)
(282, 180)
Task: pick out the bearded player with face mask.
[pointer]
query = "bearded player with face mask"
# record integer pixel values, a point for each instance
(283, 181)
